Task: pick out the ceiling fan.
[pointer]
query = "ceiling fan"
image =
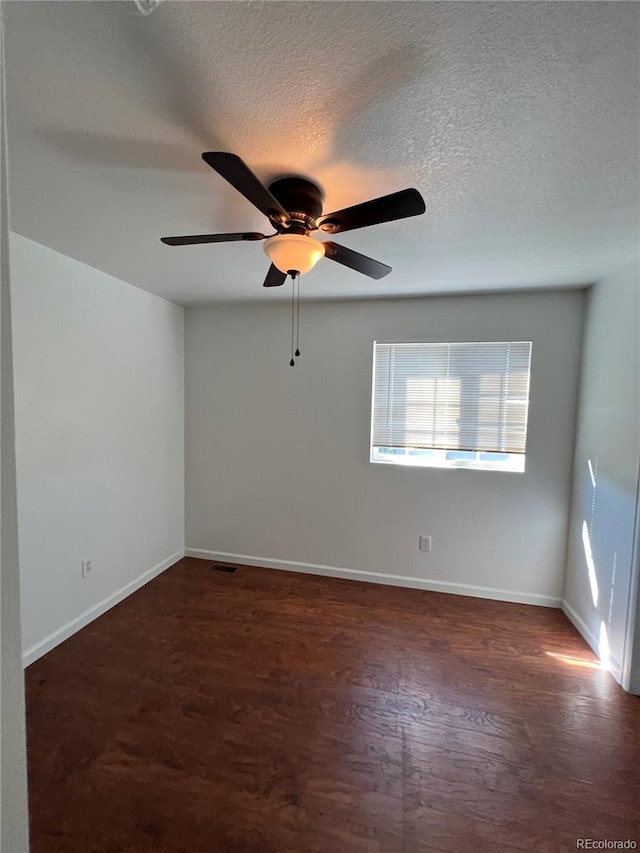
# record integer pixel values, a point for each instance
(294, 208)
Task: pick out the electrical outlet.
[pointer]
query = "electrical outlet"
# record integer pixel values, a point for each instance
(424, 543)
(86, 568)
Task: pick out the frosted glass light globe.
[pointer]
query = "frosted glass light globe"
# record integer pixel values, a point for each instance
(290, 252)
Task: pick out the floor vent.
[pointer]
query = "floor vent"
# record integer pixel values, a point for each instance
(229, 570)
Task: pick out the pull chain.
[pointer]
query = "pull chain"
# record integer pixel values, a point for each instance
(293, 300)
(298, 317)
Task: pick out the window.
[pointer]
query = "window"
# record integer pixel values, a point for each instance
(451, 405)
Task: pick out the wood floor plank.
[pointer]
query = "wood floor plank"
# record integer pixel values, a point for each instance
(272, 712)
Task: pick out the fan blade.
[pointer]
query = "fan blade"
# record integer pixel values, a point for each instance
(239, 175)
(211, 238)
(384, 209)
(274, 277)
(355, 261)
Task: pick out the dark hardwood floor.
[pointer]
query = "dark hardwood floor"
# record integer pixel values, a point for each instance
(271, 712)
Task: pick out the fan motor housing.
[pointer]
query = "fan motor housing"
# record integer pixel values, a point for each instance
(302, 199)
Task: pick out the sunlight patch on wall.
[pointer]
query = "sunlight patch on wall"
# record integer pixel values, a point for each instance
(588, 555)
(603, 647)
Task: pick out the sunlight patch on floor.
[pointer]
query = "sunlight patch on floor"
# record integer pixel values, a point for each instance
(575, 661)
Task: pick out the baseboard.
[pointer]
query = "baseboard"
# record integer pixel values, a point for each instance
(581, 626)
(41, 648)
(379, 577)
(613, 665)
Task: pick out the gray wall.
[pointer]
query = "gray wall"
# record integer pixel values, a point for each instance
(278, 467)
(99, 439)
(599, 577)
(13, 778)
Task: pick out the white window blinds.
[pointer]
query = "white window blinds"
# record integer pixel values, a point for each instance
(451, 396)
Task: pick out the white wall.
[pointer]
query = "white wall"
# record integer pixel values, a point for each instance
(277, 457)
(99, 378)
(14, 824)
(608, 441)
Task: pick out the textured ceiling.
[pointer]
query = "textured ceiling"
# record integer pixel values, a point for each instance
(518, 122)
